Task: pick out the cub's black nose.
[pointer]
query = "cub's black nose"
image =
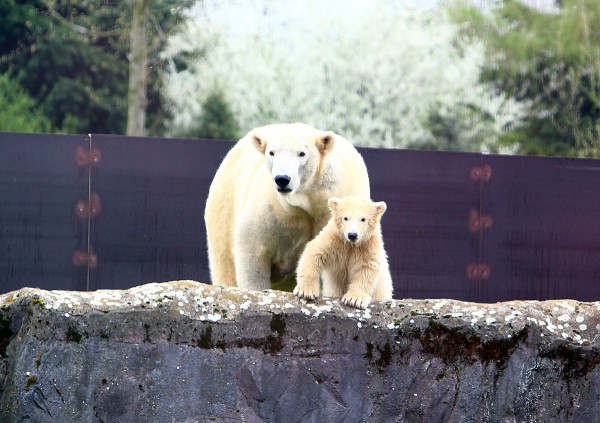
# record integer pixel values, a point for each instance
(352, 236)
(282, 181)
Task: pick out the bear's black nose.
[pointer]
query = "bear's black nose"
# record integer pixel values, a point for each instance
(282, 181)
(352, 236)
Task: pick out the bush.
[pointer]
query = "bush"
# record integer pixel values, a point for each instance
(216, 120)
(18, 111)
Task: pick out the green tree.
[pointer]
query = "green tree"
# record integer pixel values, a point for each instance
(550, 59)
(216, 120)
(459, 129)
(73, 59)
(17, 109)
(75, 79)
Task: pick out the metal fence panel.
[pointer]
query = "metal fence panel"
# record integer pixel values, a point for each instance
(459, 225)
(543, 236)
(426, 227)
(42, 179)
(152, 193)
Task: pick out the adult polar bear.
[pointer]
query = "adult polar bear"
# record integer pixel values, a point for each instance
(269, 198)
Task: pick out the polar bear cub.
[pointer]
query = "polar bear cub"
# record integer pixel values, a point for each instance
(348, 254)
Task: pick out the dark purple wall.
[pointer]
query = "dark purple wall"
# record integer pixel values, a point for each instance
(95, 212)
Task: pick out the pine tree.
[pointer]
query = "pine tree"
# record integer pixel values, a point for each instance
(216, 120)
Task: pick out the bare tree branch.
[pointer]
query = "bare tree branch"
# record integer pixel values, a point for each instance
(90, 32)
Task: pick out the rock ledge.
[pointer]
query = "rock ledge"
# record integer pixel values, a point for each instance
(187, 352)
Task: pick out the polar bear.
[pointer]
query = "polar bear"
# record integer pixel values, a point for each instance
(269, 198)
(348, 255)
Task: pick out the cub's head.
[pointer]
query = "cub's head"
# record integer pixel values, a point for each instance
(356, 218)
(293, 153)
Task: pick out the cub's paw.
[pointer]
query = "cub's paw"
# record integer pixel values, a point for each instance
(306, 293)
(356, 301)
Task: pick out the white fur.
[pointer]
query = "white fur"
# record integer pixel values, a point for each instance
(250, 225)
(348, 255)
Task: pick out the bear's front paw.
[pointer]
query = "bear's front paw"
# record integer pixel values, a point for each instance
(305, 293)
(356, 301)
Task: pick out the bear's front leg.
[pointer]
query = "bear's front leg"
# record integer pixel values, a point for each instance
(360, 288)
(307, 286)
(252, 270)
(252, 254)
(308, 273)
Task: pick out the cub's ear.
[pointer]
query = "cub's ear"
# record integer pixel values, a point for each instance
(325, 142)
(380, 208)
(259, 143)
(333, 203)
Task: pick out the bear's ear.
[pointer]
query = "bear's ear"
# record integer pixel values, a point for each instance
(333, 202)
(259, 143)
(380, 208)
(325, 142)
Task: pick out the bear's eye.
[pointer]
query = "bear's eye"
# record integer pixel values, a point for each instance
(301, 154)
(363, 219)
(345, 218)
(271, 153)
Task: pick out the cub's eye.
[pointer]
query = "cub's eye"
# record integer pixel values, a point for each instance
(363, 219)
(271, 153)
(301, 154)
(345, 218)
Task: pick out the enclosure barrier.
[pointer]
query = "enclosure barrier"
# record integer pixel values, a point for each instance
(107, 212)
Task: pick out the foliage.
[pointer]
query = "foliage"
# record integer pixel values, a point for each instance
(71, 57)
(17, 109)
(216, 120)
(552, 59)
(381, 74)
(67, 73)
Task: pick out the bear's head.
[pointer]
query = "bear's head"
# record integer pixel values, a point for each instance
(356, 218)
(293, 153)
